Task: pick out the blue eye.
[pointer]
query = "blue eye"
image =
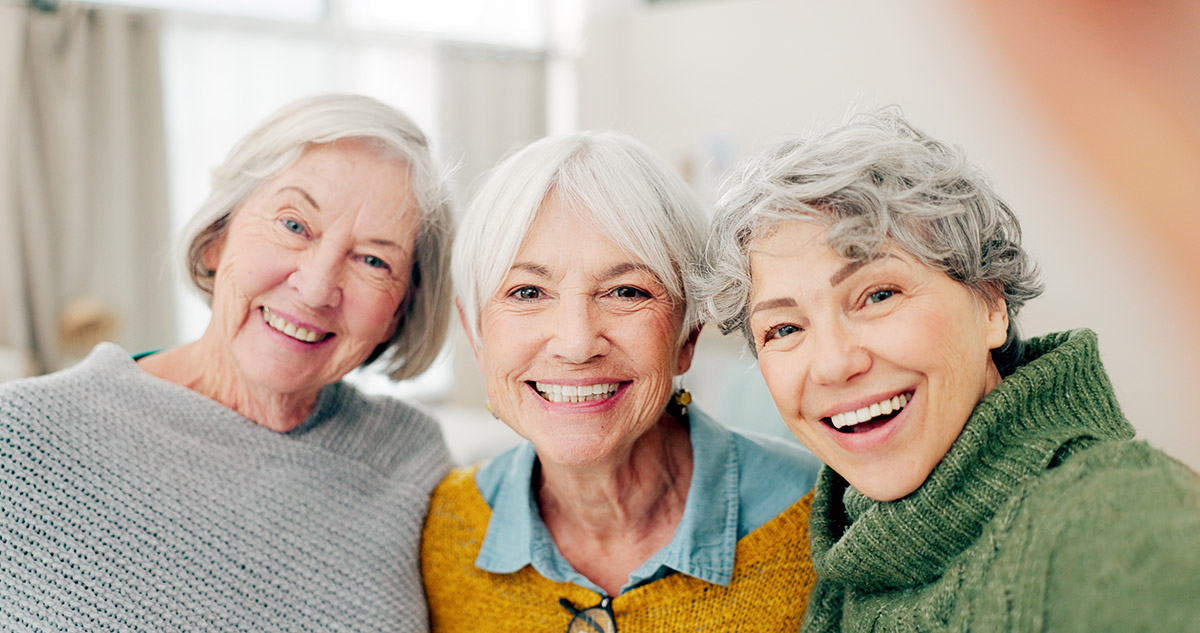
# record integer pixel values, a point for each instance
(526, 293)
(374, 262)
(782, 331)
(293, 226)
(880, 296)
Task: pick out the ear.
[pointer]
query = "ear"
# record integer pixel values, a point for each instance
(996, 327)
(687, 351)
(211, 255)
(462, 318)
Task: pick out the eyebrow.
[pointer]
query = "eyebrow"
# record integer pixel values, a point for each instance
(615, 271)
(530, 267)
(781, 302)
(303, 193)
(852, 267)
(846, 271)
(626, 267)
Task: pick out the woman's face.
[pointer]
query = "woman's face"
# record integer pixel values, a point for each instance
(312, 271)
(874, 366)
(580, 343)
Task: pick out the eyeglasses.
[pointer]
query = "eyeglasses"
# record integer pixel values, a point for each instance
(597, 619)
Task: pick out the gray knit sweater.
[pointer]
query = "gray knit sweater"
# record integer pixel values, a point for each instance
(128, 503)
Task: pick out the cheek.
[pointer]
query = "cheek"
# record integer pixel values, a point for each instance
(784, 381)
(372, 309)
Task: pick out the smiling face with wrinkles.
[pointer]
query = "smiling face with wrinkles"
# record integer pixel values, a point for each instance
(874, 365)
(312, 270)
(580, 343)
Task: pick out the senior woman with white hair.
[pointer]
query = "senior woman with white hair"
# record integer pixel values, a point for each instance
(975, 482)
(235, 482)
(626, 509)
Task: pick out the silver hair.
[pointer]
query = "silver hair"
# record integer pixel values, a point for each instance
(278, 142)
(872, 182)
(629, 192)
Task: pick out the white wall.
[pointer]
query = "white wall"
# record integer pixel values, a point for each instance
(708, 82)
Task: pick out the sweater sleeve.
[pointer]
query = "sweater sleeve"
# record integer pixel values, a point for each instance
(1127, 556)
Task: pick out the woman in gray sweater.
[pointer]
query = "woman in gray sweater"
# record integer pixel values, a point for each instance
(235, 482)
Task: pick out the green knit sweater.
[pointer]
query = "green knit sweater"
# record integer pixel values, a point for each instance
(1043, 516)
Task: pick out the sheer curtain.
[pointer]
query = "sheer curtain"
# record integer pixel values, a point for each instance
(84, 209)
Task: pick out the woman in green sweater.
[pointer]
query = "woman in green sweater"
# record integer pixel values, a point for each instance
(974, 481)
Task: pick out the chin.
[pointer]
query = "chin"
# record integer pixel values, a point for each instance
(886, 487)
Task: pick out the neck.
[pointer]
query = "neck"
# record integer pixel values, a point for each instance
(206, 368)
(608, 519)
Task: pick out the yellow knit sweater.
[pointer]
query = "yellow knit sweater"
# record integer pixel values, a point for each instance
(772, 576)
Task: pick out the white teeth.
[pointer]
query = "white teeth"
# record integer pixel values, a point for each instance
(885, 407)
(281, 324)
(575, 393)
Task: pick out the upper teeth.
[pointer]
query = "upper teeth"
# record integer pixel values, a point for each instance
(575, 393)
(850, 418)
(281, 324)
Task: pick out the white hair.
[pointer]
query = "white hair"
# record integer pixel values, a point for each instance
(278, 142)
(632, 196)
(872, 181)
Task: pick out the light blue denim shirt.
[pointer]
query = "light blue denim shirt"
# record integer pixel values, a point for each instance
(739, 482)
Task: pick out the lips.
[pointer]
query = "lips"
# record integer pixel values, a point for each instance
(869, 417)
(553, 392)
(299, 333)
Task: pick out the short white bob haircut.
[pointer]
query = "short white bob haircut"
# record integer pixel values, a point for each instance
(272, 147)
(873, 182)
(619, 184)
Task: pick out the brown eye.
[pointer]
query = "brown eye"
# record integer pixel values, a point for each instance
(526, 293)
(629, 292)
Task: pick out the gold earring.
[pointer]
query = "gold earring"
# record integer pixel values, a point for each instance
(680, 400)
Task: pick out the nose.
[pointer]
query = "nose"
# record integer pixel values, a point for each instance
(578, 331)
(318, 277)
(839, 355)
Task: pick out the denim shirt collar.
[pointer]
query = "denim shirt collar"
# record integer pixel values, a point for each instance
(703, 546)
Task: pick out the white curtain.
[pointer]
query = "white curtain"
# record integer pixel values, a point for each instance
(490, 104)
(84, 247)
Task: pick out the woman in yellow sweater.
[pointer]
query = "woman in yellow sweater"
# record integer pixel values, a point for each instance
(626, 509)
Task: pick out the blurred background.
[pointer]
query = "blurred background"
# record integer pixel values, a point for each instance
(1086, 115)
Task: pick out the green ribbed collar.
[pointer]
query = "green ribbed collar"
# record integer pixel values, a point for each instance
(1058, 399)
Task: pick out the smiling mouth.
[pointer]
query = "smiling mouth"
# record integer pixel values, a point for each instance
(869, 417)
(575, 393)
(281, 324)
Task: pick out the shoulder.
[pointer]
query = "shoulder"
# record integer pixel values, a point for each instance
(457, 514)
(1121, 522)
(1115, 474)
(107, 380)
(392, 436)
(456, 487)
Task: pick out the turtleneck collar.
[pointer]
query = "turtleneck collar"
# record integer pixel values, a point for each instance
(1058, 399)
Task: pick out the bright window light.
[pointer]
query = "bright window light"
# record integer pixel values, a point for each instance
(285, 10)
(516, 23)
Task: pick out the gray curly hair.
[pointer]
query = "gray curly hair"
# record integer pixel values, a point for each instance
(872, 182)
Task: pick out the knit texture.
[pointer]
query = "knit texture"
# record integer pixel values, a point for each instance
(771, 579)
(1043, 516)
(128, 503)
